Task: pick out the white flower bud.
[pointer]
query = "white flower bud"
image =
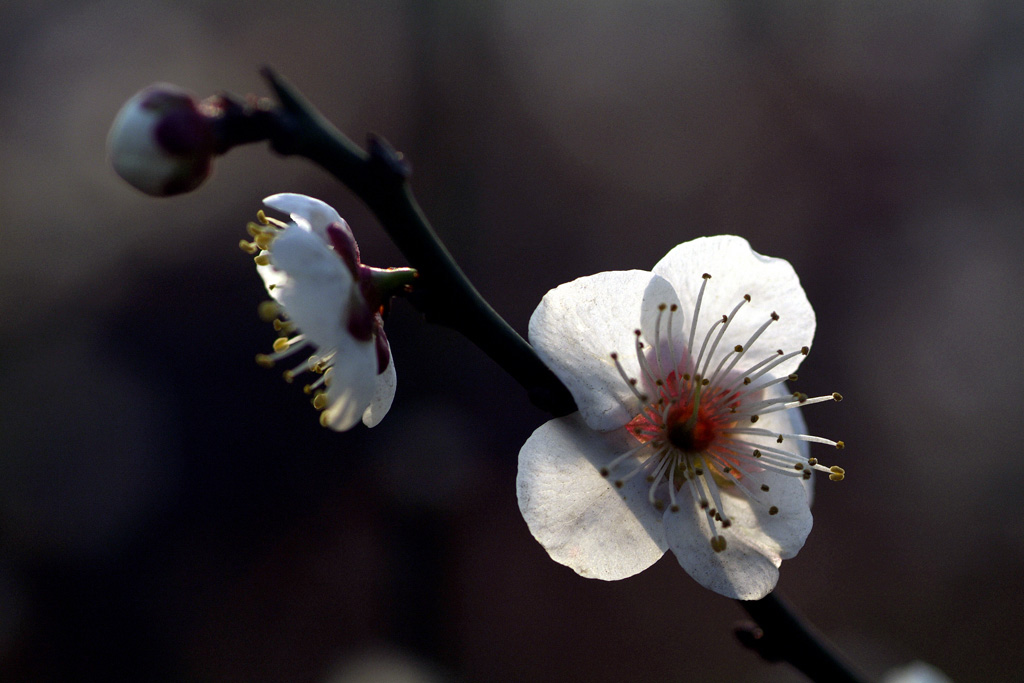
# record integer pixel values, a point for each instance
(161, 142)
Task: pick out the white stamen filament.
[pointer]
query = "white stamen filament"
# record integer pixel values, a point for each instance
(721, 333)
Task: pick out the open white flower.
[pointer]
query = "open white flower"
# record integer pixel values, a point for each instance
(327, 300)
(686, 437)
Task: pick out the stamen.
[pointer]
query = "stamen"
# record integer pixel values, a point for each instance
(703, 347)
(606, 470)
(641, 358)
(696, 311)
(721, 333)
(657, 340)
(630, 382)
(750, 342)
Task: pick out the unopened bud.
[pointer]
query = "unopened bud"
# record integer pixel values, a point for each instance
(161, 142)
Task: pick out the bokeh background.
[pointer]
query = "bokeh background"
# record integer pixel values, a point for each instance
(171, 512)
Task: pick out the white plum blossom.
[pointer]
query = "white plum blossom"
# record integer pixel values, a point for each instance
(329, 307)
(686, 436)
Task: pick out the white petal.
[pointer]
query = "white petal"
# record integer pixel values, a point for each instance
(316, 288)
(575, 329)
(735, 270)
(665, 345)
(272, 278)
(351, 383)
(579, 517)
(311, 214)
(741, 571)
(383, 395)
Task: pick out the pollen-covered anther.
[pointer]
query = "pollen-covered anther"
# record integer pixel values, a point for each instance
(320, 400)
(262, 259)
(718, 543)
(248, 247)
(268, 311)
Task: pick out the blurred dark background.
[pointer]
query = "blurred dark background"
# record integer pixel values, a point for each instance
(171, 512)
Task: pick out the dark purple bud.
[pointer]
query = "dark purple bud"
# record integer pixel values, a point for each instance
(161, 142)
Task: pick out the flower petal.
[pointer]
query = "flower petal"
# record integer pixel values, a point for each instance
(307, 212)
(742, 571)
(579, 517)
(316, 284)
(351, 383)
(736, 270)
(575, 329)
(661, 328)
(382, 397)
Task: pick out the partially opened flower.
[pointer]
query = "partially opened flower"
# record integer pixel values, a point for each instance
(686, 437)
(330, 306)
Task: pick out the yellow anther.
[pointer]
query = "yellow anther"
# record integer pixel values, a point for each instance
(264, 241)
(289, 376)
(718, 543)
(840, 445)
(262, 259)
(308, 389)
(247, 247)
(280, 344)
(262, 217)
(836, 469)
(268, 310)
(837, 397)
(264, 361)
(836, 477)
(320, 400)
(324, 422)
(284, 326)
